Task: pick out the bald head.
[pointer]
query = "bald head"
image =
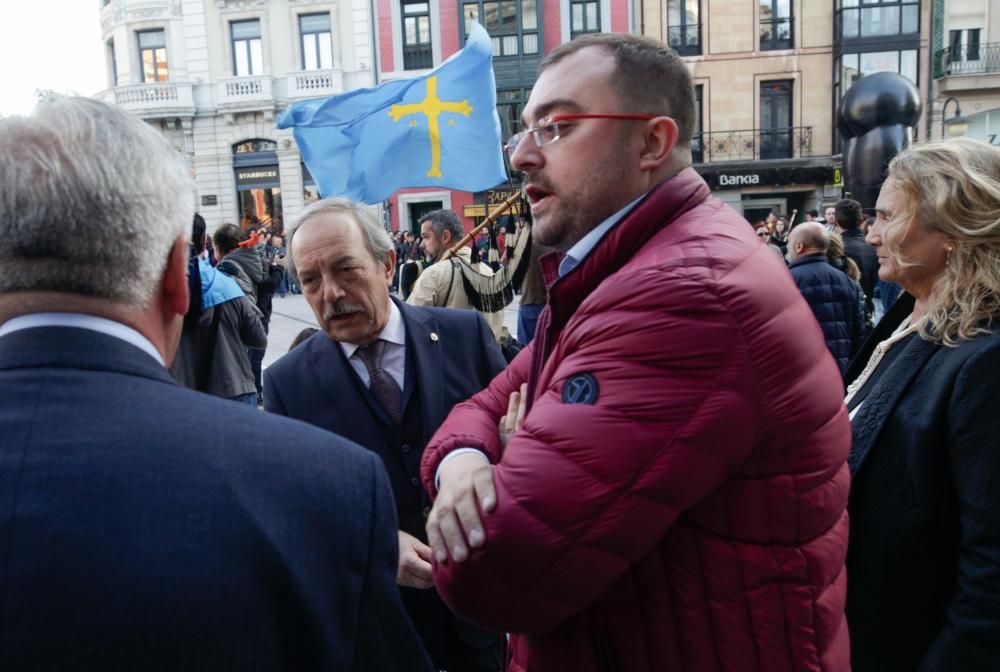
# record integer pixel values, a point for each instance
(807, 238)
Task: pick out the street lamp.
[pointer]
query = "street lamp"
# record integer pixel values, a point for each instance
(957, 125)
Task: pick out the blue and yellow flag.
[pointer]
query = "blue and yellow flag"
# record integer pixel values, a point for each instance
(438, 130)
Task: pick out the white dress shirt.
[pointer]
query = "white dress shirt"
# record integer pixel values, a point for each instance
(83, 321)
(393, 356)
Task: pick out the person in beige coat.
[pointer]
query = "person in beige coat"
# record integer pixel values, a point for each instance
(440, 285)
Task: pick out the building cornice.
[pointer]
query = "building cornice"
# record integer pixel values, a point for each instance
(240, 5)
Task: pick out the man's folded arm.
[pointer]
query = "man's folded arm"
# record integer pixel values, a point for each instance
(586, 489)
(473, 423)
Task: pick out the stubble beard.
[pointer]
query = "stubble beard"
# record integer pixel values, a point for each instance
(590, 203)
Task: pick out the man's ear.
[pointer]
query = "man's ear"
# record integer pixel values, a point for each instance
(390, 265)
(659, 141)
(175, 280)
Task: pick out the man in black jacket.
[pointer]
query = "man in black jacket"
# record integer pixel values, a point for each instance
(828, 291)
(849, 217)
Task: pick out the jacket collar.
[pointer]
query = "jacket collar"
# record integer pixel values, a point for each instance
(75, 348)
(882, 400)
(809, 259)
(654, 212)
(662, 205)
(892, 319)
(423, 341)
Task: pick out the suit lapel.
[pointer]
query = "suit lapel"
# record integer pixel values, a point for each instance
(884, 397)
(350, 406)
(423, 338)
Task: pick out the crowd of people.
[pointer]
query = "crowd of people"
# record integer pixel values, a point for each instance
(708, 458)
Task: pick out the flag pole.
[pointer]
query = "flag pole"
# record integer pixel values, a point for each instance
(490, 219)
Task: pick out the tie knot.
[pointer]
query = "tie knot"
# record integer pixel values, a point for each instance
(371, 354)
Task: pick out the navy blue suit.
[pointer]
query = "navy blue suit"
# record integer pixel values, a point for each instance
(450, 355)
(144, 526)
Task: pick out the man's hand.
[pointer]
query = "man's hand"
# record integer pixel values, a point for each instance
(466, 485)
(414, 562)
(516, 406)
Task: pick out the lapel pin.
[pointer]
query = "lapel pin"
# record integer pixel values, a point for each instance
(434, 337)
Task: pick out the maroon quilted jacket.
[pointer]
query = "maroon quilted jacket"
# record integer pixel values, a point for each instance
(682, 507)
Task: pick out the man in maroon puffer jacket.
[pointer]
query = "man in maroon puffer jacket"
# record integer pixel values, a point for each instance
(674, 496)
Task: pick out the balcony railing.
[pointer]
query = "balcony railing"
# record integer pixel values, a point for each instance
(750, 145)
(418, 57)
(244, 92)
(154, 99)
(685, 40)
(968, 60)
(315, 83)
(775, 34)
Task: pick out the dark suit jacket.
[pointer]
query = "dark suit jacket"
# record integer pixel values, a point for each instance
(144, 526)
(923, 561)
(865, 257)
(317, 384)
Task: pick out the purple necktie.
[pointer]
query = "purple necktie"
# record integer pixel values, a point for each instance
(382, 385)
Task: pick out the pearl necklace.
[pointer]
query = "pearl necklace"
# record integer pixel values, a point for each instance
(905, 328)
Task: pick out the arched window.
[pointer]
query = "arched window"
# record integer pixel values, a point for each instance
(255, 145)
(258, 184)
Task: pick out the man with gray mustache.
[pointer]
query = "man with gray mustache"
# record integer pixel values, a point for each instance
(384, 374)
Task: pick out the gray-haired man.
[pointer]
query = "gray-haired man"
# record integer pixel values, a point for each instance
(147, 526)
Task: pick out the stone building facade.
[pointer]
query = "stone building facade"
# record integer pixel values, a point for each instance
(214, 74)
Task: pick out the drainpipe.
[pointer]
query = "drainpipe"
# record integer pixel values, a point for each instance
(376, 61)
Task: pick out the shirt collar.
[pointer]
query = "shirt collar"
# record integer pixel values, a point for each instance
(393, 332)
(579, 252)
(83, 321)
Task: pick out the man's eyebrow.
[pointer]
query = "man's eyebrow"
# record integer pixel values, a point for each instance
(348, 259)
(545, 109)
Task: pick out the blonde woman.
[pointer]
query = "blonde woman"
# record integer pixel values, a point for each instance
(924, 399)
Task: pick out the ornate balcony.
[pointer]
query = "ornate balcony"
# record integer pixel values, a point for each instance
(752, 145)
(315, 83)
(969, 68)
(244, 94)
(154, 100)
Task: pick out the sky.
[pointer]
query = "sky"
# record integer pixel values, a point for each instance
(49, 45)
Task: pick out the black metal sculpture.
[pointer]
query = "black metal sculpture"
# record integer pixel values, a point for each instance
(876, 120)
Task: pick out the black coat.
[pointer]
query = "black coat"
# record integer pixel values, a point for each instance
(451, 355)
(864, 255)
(923, 560)
(833, 298)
